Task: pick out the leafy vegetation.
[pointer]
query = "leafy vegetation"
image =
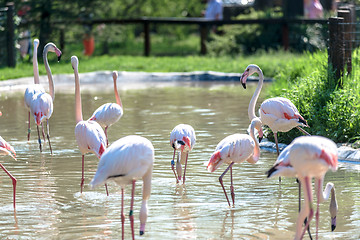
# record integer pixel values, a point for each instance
(331, 111)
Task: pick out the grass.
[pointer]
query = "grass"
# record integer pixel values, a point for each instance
(271, 63)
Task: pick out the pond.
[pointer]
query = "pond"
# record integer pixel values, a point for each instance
(50, 206)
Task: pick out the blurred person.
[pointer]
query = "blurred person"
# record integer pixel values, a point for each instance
(313, 9)
(214, 10)
(24, 36)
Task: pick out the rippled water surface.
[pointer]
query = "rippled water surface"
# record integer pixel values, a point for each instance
(50, 206)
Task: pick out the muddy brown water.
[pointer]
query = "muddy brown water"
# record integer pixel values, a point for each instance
(50, 206)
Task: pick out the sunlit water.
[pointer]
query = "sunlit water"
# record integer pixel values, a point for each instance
(50, 206)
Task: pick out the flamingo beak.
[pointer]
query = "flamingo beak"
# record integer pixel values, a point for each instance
(243, 78)
(333, 224)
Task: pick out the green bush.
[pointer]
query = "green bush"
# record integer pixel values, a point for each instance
(331, 111)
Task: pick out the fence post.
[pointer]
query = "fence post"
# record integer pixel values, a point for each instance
(336, 47)
(10, 29)
(146, 38)
(285, 35)
(345, 14)
(203, 37)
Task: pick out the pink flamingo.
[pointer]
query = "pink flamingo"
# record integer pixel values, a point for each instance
(309, 157)
(35, 88)
(236, 148)
(109, 113)
(182, 139)
(89, 135)
(125, 161)
(7, 149)
(42, 103)
(279, 113)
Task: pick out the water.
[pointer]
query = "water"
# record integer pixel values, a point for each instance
(50, 206)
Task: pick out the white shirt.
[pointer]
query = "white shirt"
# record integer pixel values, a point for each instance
(214, 8)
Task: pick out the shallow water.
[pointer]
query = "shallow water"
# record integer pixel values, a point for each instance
(50, 206)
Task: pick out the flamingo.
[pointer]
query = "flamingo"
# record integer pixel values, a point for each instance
(124, 162)
(182, 139)
(109, 113)
(7, 149)
(309, 157)
(89, 135)
(236, 148)
(35, 88)
(42, 103)
(279, 113)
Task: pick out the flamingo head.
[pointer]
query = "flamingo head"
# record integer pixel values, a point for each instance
(115, 75)
(214, 162)
(38, 117)
(257, 124)
(52, 48)
(250, 70)
(74, 62)
(303, 122)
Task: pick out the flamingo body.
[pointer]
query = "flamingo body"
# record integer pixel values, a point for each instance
(236, 148)
(107, 114)
(309, 157)
(125, 161)
(90, 138)
(280, 114)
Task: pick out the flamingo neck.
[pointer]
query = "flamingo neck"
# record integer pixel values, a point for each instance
(256, 154)
(117, 97)
(78, 109)
(251, 109)
(35, 65)
(48, 72)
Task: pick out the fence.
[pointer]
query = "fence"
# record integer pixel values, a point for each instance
(7, 40)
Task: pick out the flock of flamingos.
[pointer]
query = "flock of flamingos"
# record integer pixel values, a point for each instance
(131, 158)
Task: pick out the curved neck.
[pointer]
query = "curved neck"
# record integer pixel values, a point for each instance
(48, 71)
(251, 109)
(117, 97)
(256, 155)
(35, 65)
(78, 110)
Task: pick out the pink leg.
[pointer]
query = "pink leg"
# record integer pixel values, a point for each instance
(29, 129)
(48, 134)
(232, 188)
(277, 148)
(221, 181)
(107, 142)
(187, 154)
(82, 174)
(13, 182)
(172, 166)
(42, 131)
(308, 195)
(317, 214)
(131, 214)
(39, 139)
(122, 214)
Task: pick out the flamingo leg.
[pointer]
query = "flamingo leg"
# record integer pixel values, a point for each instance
(13, 182)
(232, 188)
(308, 205)
(131, 214)
(187, 154)
(29, 129)
(82, 174)
(173, 168)
(303, 131)
(48, 134)
(107, 142)
(42, 131)
(277, 148)
(106, 188)
(317, 214)
(221, 181)
(179, 167)
(39, 139)
(122, 215)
